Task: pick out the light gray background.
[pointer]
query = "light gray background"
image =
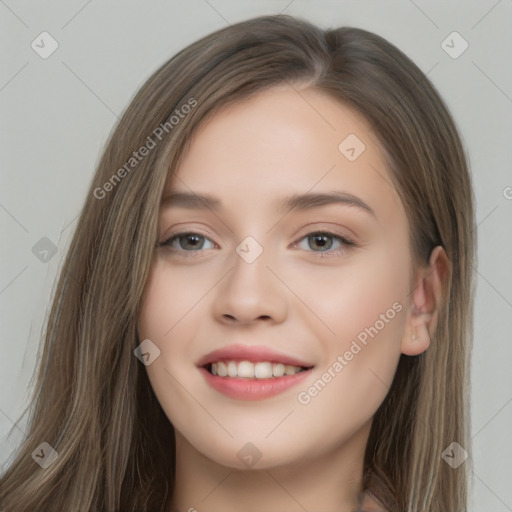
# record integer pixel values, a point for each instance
(56, 114)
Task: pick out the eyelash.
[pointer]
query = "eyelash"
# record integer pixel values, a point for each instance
(346, 241)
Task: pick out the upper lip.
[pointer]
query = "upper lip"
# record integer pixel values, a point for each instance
(253, 353)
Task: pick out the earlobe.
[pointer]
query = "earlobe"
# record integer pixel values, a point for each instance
(426, 301)
(416, 338)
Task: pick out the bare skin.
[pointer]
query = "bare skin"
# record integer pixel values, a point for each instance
(201, 295)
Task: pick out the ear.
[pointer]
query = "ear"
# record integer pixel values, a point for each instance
(426, 301)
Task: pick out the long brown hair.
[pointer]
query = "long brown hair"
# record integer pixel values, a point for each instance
(93, 402)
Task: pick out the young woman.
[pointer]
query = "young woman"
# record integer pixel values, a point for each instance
(267, 302)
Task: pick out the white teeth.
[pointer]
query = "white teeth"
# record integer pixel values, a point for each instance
(222, 371)
(232, 369)
(278, 370)
(289, 370)
(245, 369)
(263, 370)
(249, 370)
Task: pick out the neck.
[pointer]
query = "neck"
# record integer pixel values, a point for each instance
(331, 482)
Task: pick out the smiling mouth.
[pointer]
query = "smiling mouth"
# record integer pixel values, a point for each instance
(253, 370)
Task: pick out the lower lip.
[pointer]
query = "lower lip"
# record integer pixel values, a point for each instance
(253, 389)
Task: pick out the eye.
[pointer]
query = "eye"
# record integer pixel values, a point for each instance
(324, 241)
(190, 243)
(186, 241)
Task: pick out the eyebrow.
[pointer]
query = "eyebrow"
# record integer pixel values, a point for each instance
(300, 202)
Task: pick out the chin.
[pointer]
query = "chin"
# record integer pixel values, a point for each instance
(250, 455)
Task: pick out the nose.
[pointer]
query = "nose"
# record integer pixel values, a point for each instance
(250, 292)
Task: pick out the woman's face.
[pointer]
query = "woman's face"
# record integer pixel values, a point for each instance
(324, 285)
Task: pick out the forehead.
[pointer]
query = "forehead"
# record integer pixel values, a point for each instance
(285, 141)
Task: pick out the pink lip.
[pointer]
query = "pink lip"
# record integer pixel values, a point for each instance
(252, 389)
(252, 353)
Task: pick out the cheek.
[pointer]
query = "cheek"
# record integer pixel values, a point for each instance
(166, 318)
(371, 288)
(168, 298)
(364, 306)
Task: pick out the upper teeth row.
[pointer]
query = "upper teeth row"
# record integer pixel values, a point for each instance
(262, 370)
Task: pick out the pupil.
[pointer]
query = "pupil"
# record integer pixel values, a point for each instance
(189, 237)
(322, 244)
